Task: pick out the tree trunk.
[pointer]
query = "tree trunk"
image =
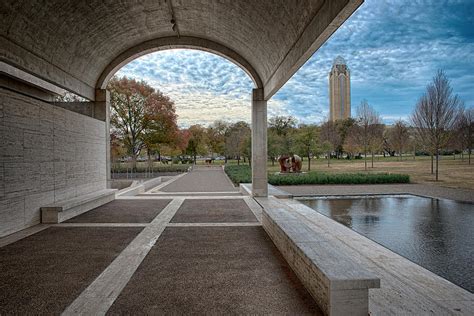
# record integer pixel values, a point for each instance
(273, 161)
(365, 157)
(329, 158)
(309, 163)
(414, 152)
(194, 157)
(372, 159)
(469, 155)
(432, 163)
(134, 163)
(148, 153)
(437, 162)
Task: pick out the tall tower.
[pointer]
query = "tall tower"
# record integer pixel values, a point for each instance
(339, 90)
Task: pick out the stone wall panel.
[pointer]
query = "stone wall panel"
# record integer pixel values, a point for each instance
(47, 154)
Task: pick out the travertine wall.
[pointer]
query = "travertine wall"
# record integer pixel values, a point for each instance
(47, 154)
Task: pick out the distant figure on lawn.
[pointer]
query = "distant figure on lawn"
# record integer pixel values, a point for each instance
(290, 163)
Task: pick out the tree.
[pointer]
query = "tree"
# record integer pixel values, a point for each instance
(376, 137)
(465, 131)
(139, 112)
(236, 139)
(367, 117)
(398, 136)
(329, 138)
(343, 128)
(436, 114)
(197, 141)
(282, 126)
(352, 141)
(274, 145)
(216, 136)
(160, 121)
(306, 141)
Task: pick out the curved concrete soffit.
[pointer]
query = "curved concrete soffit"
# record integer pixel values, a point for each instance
(165, 43)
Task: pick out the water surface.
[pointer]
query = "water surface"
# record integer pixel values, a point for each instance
(436, 234)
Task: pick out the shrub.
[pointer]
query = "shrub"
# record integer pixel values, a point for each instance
(239, 174)
(243, 174)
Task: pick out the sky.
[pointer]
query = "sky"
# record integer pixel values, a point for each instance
(393, 49)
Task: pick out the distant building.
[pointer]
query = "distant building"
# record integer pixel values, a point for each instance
(339, 90)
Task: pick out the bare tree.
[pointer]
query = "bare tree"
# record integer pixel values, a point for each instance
(367, 118)
(399, 136)
(465, 131)
(436, 113)
(376, 137)
(329, 138)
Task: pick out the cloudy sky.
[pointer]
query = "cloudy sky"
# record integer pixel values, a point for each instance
(392, 47)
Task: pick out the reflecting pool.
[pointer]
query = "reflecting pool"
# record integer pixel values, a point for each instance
(436, 234)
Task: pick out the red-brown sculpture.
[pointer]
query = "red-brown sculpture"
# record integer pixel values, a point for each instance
(296, 163)
(285, 164)
(290, 163)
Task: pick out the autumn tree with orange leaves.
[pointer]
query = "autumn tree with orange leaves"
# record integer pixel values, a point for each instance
(142, 117)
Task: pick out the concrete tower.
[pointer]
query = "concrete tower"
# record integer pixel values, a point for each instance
(339, 90)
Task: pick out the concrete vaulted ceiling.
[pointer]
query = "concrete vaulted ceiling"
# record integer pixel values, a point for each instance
(78, 45)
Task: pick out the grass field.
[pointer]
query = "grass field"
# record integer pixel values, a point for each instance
(452, 173)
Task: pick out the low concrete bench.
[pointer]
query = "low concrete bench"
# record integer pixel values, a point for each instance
(64, 210)
(338, 284)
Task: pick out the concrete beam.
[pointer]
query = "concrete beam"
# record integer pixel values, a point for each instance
(84, 108)
(45, 72)
(175, 42)
(102, 112)
(326, 21)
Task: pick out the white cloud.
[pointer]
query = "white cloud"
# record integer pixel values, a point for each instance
(393, 49)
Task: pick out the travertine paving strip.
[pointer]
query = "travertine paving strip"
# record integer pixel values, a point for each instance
(254, 207)
(101, 294)
(213, 224)
(101, 225)
(187, 197)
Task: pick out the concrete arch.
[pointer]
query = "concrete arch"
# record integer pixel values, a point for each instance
(165, 43)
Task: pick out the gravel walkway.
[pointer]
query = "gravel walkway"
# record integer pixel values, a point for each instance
(214, 271)
(123, 211)
(214, 211)
(42, 274)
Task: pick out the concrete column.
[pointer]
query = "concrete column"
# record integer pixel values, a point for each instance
(259, 144)
(101, 111)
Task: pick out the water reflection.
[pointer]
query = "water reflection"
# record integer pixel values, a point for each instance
(436, 234)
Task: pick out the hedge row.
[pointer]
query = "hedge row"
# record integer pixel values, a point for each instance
(243, 174)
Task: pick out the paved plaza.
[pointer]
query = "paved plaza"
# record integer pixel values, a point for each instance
(152, 254)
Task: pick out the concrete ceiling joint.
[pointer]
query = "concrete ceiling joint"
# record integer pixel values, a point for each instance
(174, 23)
